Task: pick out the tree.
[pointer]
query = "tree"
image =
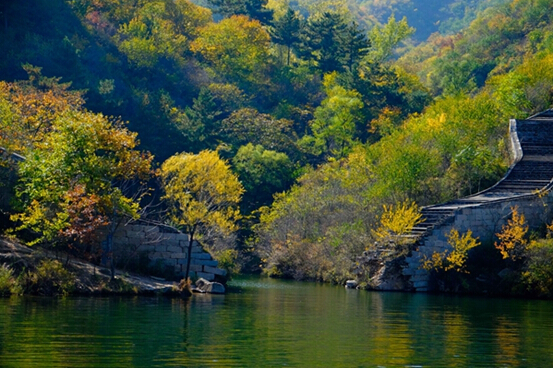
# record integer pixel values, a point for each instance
(355, 45)
(203, 117)
(29, 108)
(397, 221)
(250, 126)
(385, 38)
(236, 47)
(255, 9)
(263, 173)
(149, 37)
(322, 40)
(455, 258)
(512, 238)
(336, 120)
(286, 31)
(72, 183)
(203, 194)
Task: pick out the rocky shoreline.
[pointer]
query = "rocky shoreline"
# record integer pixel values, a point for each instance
(89, 279)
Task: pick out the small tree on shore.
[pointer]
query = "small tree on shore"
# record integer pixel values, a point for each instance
(456, 258)
(203, 194)
(512, 238)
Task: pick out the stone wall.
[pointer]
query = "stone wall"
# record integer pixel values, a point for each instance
(170, 250)
(484, 220)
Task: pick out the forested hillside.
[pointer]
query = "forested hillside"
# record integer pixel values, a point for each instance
(427, 16)
(325, 131)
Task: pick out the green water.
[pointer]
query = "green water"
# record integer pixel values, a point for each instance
(271, 323)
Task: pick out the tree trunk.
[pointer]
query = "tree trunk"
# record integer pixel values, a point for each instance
(288, 59)
(189, 258)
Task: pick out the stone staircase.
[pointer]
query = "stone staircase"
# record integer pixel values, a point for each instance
(529, 177)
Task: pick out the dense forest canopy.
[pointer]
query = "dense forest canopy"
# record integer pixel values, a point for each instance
(305, 101)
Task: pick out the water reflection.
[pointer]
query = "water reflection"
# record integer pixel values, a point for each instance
(275, 323)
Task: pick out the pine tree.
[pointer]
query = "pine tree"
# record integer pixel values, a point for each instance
(286, 31)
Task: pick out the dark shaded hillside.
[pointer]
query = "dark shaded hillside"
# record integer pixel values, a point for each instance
(48, 34)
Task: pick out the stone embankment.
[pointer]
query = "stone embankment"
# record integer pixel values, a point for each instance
(526, 186)
(165, 250)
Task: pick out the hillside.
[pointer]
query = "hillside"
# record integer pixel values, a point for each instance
(428, 16)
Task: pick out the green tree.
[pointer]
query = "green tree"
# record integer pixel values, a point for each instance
(149, 36)
(255, 9)
(250, 126)
(385, 39)
(286, 31)
(73, 182)
(335, 125)
(355, 45)
(322, 41)
(203, 194)
(236, 47)
(263, 173)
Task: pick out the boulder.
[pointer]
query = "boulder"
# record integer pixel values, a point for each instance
(204, 286)
(351, 284)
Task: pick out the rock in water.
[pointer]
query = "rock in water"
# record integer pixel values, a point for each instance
(351, 284)
(204, 286)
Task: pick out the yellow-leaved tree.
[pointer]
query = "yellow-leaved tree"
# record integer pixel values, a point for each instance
(512, 238)
(397, 221)
(203, 194)
(456, 258)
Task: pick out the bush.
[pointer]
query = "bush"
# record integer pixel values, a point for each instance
(538, 273)
(228, 261)
(49, 278)
(7, 280)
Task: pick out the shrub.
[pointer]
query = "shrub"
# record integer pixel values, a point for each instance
(512, 238)
(456, 258)
(49, 278)
(7, 280)
(538, 273)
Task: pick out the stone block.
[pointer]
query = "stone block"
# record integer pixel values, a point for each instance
(197, 250)
(195, 268)
(170, 262)
(135, 234)
(215, 271)
(182, 261)
(201, 256)
(161, 248)
(205, 275)
(150, 229)
(179, 255)
(147, 248)
(205, 262)
(155, 255)
(182, 237)
(174, 249)
(183, 243)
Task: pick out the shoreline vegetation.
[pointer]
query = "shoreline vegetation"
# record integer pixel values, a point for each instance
(35, 271)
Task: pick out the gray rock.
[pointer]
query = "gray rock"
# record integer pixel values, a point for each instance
(204, 286)
(351, 284)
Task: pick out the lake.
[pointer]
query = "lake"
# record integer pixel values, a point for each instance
(274, 323)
